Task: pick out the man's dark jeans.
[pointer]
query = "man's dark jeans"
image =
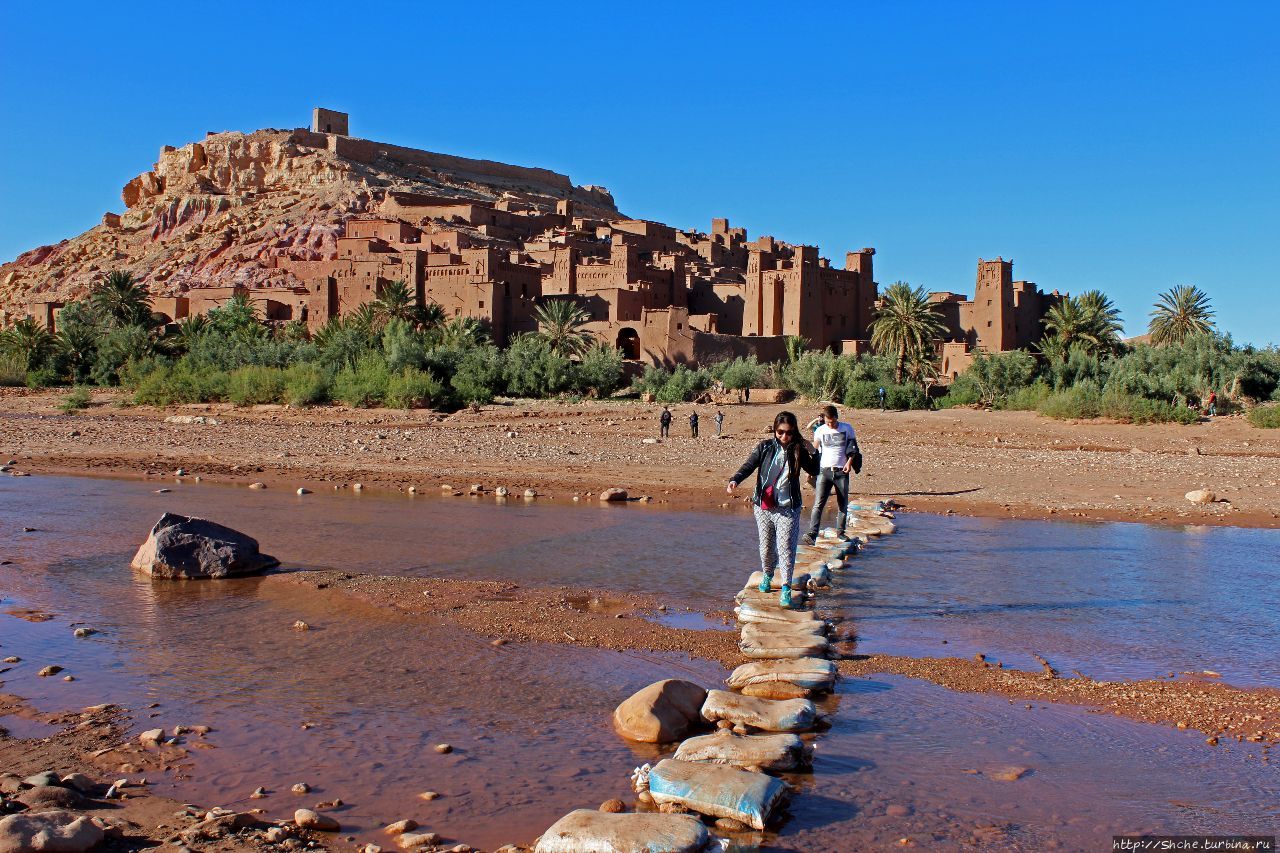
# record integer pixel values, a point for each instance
(829, 478)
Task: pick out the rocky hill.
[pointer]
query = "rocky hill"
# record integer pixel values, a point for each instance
(216, 212)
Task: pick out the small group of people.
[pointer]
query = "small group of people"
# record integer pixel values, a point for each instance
(777, 502)
(664, 423)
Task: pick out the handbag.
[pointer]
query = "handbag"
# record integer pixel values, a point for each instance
(856, 457)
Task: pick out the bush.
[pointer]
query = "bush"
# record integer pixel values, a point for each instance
(865, 394)
(1081, 402)
(1026, 399)
(412, 388)
(478, 377)
(12, 373)
(251, 386)
(599, 373)
(42, 377)
(1086, 401)
(862, 395)
(739, 373)
(364, 385)
(683, 384)
(403, 346)
(1265, 417)
(960, 394)
(307, 384)
(181, 382)
(533, 369)
(77, 400)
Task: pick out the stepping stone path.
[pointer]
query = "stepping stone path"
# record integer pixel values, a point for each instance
(727, 774)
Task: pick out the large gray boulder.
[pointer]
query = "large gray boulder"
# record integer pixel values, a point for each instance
(48, 832)
(181, 547)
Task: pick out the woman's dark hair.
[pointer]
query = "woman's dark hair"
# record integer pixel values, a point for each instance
(793, 449)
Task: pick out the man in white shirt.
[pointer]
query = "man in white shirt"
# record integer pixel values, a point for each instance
(836, 442)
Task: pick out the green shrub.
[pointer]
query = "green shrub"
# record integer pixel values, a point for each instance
(412, 388)
(251, 386)
(683, 384)
(960, 394)
(1265, 417)
(181, 382)
(307, 384)
(41, 377)
(77, 400)
(862, 395)
(533, 369)
(1027, 399)
(739, 373)
(1081, 402)
(905, 397)
(865, 394)
(403, 345)
(478, 377)
(364, 385)
(599, 373)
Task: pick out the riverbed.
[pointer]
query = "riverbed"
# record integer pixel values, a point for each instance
(355, 706)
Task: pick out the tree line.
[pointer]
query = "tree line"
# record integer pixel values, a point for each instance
(395, 351)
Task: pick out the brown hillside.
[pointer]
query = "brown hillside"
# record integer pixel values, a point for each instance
(220, 212)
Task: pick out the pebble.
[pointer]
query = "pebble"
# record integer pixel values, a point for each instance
(304, 491)
(357, 487)
(428, 796)
(276, 834)
(530, 493)
(257, 486)
(308, 819)
(301, 626)
(410, 840)
(52, 669)
(163, 491)
(443, 748)
(301, 788)
(151, 737)
(68, 678)
(81, 633)
(400, 827)
(613, 806)
(13, 659)
(501, 491)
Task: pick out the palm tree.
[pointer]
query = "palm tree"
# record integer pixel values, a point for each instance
(1069, 324)
(28, 343)
(1103, 319)
(122, 300)
(1182, 312)
(560, 323)
(906, 323)
(396, 302)
(459, 333)
(79, 345)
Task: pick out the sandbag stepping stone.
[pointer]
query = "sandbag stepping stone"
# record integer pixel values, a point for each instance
(820, 573)
(776, 753)
(661, 712)
(770, 715)
(799, 595)
(798, 581)
(765, 646)
(758, 611)
(809, 673)
(590, 831)
(716, 790)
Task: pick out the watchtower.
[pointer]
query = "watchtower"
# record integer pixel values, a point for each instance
(329, 121)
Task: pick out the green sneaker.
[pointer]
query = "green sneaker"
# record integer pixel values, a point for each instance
(784, 600)
(766, 582)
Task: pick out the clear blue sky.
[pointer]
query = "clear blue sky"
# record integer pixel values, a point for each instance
(1124, 146)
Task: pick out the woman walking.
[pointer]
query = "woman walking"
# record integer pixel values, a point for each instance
(777, 501)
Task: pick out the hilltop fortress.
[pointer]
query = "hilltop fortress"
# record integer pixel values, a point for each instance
(310, 224)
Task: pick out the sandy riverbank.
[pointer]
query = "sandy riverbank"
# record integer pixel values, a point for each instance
(1003, 464)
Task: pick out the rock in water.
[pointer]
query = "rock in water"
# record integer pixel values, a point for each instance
(613, 495)
(661, 712)
(181, 547)
(1201, 496)
(48, 832)
(308, 819)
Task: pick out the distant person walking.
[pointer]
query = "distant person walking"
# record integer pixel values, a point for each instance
(664, 422)
(1213, 403)
(777, 500)
(693, 424)
(719, 422)
(880, 395)
(836, 442)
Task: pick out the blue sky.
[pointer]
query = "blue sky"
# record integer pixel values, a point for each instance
(1123, 146)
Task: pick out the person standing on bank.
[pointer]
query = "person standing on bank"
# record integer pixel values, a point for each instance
(693, 424)
(719, 422)
(777, 500)
(836, 442)
(664, 422)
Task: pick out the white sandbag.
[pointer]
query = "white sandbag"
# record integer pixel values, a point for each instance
(770, 715)
(752, 593)
(809, 673)
(772, 753)
(590, 831)
(782, 646)
(719, 791)
(799, 580)
(816, 629)
(754, 611)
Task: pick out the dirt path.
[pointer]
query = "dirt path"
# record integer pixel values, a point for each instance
(1005, 464)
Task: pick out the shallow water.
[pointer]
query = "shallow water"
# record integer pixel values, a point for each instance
(530, 723)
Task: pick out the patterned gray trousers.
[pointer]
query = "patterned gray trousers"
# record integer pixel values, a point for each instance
(779, 535)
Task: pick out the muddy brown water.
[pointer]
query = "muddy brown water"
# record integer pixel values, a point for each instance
(530, 723)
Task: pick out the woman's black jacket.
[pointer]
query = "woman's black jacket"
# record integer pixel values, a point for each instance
(763, 452)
